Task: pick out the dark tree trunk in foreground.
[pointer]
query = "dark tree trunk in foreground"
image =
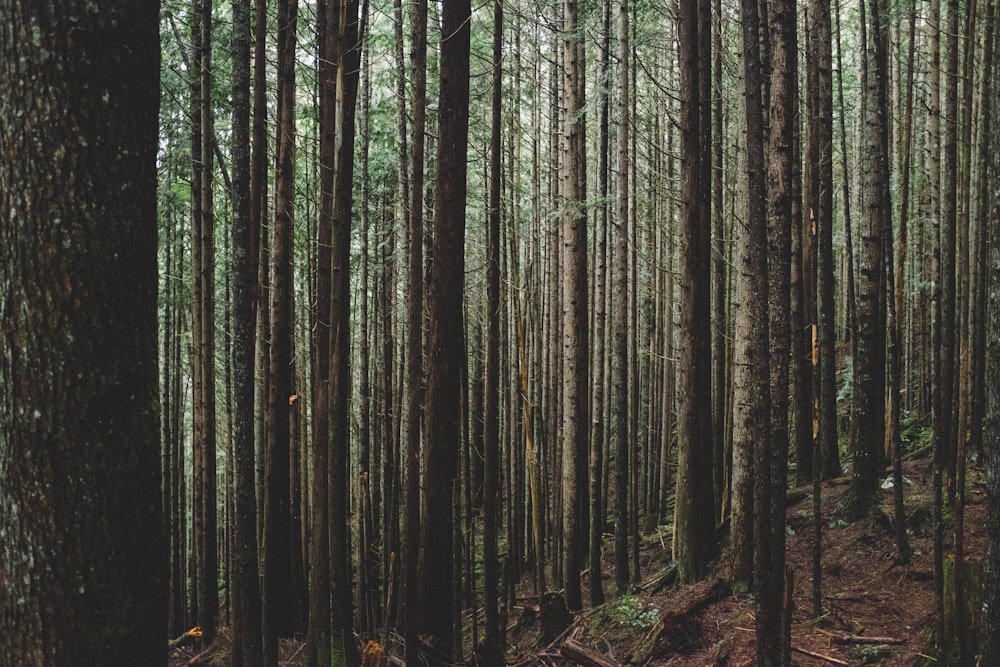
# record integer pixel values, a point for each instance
(246, 624)
(83, 558)
(445, 354)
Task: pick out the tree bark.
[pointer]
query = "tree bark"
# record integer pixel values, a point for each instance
(84, 560)
(246, 622)
(868, 404)
(277, 584)
(573, 278)
(442, 423)
(694, 538)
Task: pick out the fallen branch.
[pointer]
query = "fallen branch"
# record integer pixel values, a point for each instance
(819, 656)
(862, 639)
(186, 639)
(577, 652)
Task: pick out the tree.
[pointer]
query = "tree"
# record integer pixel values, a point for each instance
(868, 404)
(623, 432)
(414, 314)
(203, 317)
(782, 191)
(491, 650)
(694, 537)
(990, 631)
(820, 211)
(277, 601)
(84, 560)
(246, 623)
(751, 382)
(348, 67)
(442, 422)
(574, 302)
(319, 542)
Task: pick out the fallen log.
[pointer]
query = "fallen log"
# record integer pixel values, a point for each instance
(186, 639)
(577, 652)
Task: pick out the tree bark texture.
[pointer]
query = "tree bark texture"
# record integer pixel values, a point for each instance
(83, 560)
(445, 355)
(694, 537)
(246, 621)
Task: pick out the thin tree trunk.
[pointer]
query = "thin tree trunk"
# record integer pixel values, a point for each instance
(414, 321)
(623, 427)
(491, 651)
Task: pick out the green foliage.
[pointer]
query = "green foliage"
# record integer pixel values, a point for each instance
(631, 612)
(846, 381)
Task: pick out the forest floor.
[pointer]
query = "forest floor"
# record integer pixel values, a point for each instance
(875, 610)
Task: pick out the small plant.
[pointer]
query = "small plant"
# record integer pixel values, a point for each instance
(631, 612)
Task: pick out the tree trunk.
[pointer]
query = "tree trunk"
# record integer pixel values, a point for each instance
(414, 320)
(868, 405)
(781, 191)
(491, 651)
(573, 278)
(694, 537)
(319, 555)
(84, 560)
(246, 622)
(599, 322)
(991, 563)
(348, 77)
(277, 600)
(442, 421)
(623, 428)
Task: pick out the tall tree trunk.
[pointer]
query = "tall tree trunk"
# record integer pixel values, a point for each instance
(694, 538)
(491, 651)
(246, 622)
(443, 428)
(573, 278)
(319, 555)
(83, 560)
(991, 561)
(898, 304)
(414, 321)
(751, 384)
(781, 193)
(348, 76)
(868, 408)
(946, 419)
(623, 428)
(598, 367)
(277, 601)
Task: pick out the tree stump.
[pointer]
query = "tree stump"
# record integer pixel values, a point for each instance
(553, 615)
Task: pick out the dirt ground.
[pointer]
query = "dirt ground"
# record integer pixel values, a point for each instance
(874, 610)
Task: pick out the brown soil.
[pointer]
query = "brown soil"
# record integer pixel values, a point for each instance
(866, 593)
